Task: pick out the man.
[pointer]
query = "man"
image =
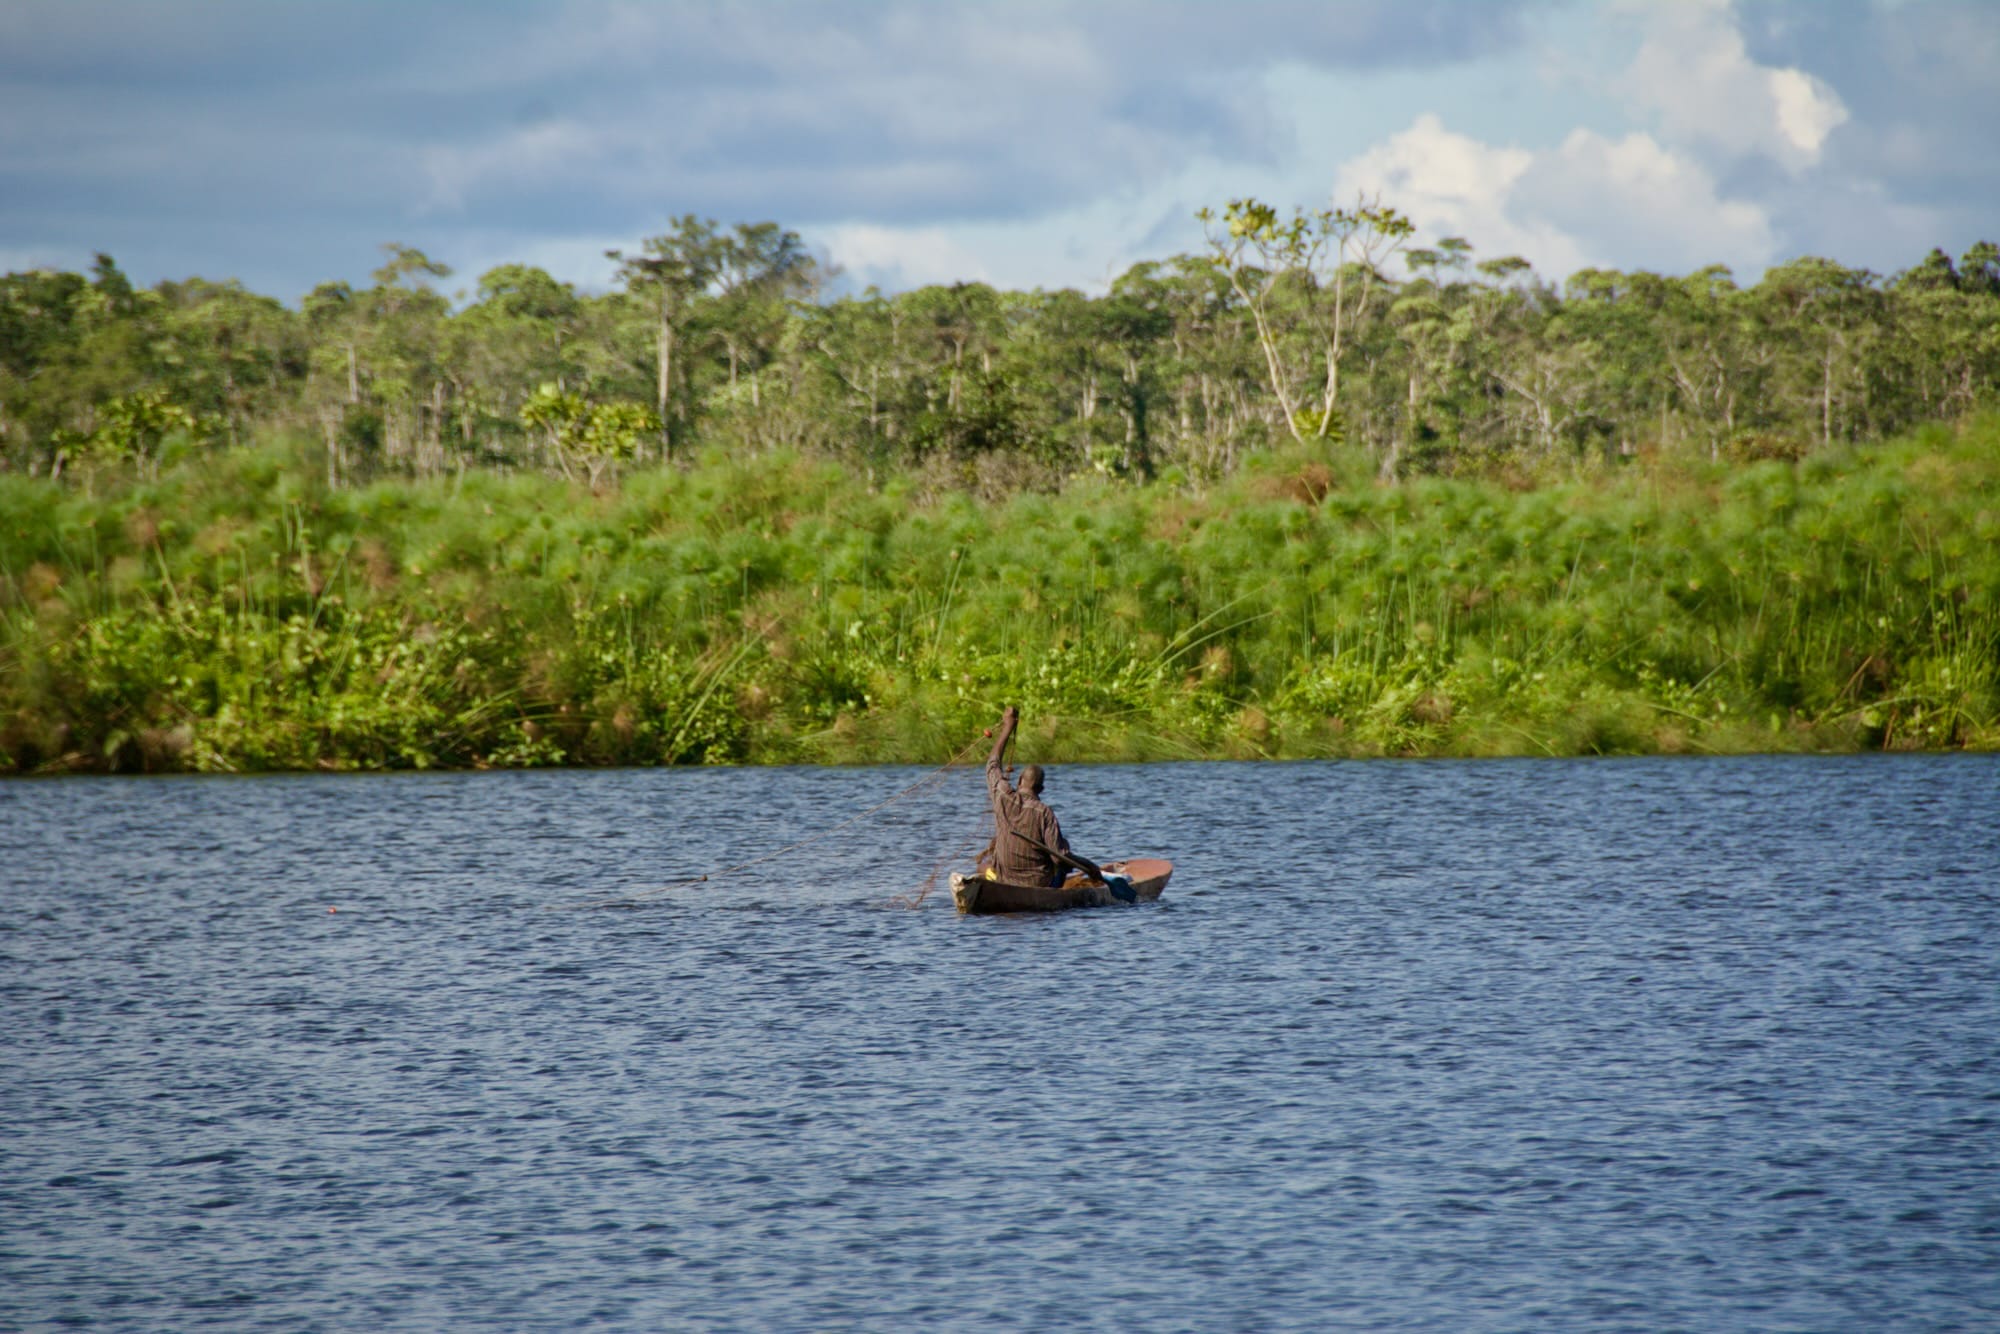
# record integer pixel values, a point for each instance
(1028, 844)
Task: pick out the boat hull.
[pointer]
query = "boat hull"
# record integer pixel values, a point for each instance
(977, 894)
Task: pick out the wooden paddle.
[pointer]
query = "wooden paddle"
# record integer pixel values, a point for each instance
(1118, 883)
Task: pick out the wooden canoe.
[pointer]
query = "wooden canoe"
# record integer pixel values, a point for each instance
(976, 894)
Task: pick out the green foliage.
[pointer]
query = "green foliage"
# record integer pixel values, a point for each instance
(135, 426)
(1288, 329)
(599, 434)
(238, 612)
(1272, 500)
(1307, 283)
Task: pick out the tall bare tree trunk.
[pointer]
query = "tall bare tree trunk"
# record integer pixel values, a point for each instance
(664, 391)
(330, 425)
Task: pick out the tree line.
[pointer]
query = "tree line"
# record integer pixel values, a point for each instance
(1324, 326)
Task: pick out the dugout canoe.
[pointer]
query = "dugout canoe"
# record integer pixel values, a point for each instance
(974, 893)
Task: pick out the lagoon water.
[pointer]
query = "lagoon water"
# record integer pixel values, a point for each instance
(1624, 1044)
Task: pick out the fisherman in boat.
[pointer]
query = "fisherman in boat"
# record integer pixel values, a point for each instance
(1028, 844)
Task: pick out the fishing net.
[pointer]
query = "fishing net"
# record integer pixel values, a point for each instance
(929, 780)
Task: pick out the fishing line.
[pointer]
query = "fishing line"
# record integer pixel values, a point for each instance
(955, 856)
(927, 780)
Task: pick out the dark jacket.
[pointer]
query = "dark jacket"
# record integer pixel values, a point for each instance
(1016, 859)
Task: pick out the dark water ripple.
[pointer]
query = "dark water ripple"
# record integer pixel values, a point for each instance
(1639, 1045)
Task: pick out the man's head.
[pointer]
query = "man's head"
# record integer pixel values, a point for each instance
(1031, 779)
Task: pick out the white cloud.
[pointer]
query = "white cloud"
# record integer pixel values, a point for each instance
(1695, 74)
(573, 259)
(1454, 185)
(894, 258)
(1808, 110)
(1593, 201)
(527, 153)
(1912, 166)
(21, 260)
(1715, 164)
(1034, 143)
(1637, 200)
(1444, 170)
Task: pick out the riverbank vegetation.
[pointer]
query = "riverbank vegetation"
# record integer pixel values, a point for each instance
(1317, 490)
(241, 613)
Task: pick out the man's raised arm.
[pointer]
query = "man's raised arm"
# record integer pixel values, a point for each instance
(1008, 719)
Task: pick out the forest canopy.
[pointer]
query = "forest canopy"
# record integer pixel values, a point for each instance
(1329, 327)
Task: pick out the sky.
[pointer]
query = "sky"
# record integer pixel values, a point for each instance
(1024, 143)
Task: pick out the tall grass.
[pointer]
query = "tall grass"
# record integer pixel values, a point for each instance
(240, 615)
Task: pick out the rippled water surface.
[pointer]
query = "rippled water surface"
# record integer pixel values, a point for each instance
(1635, 1044)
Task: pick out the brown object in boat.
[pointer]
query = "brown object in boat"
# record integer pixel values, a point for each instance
(976, 894)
